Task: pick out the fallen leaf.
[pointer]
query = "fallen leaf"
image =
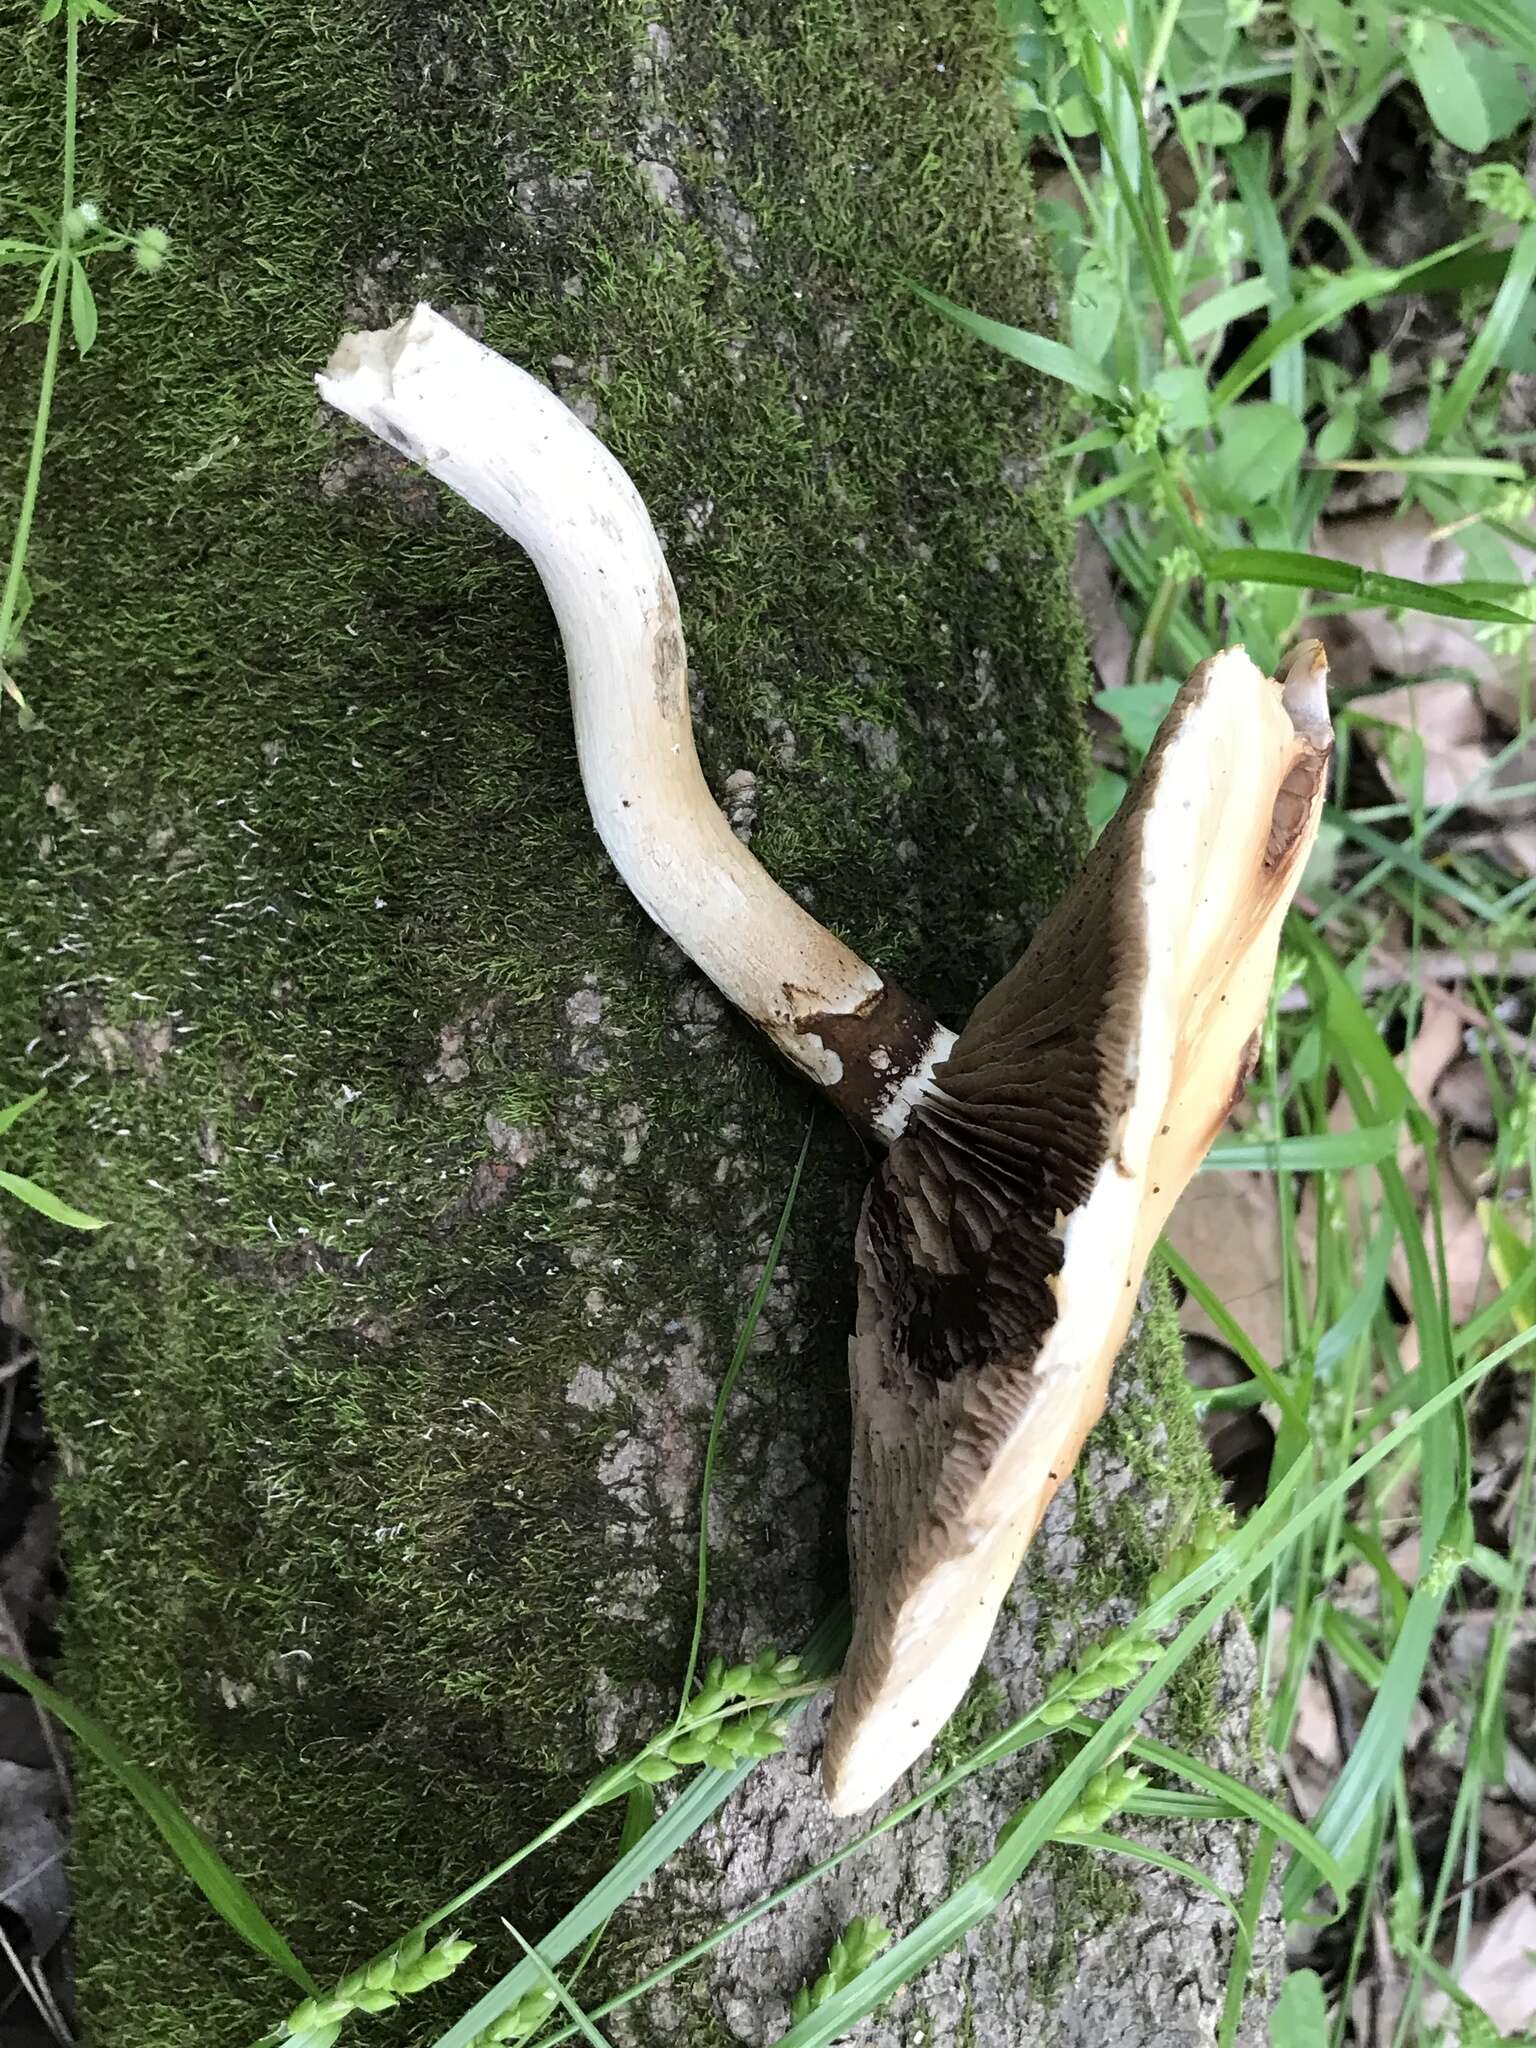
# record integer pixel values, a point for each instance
(1227, 1228)
(1461, 1168)
(1463, 1099)
(1499, 1973)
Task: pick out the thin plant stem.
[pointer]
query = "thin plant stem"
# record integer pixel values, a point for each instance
(11, 596)
(717, 1421)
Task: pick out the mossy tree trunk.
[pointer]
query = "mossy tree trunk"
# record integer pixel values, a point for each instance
(438, 1182)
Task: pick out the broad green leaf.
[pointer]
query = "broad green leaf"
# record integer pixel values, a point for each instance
(82, 307)
(1296, 571)
(1212, 122)
(1050, 358)
(1506, 96)
(1447, 86)
(1300, 2017)
(1183, 390)
(1095, 306)
(12, 1110)
(48, 1205)
(1216, 313)
(1336, 437)
(1518, 351)
(40, 296)
(192, 1849)
(1138, 709)
(1507, 21)
(1261, 447)
(1329, 21)
(1106, 793)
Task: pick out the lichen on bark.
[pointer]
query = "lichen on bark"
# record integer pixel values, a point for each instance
(438, 1181)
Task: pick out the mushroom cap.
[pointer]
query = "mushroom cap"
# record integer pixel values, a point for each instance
(1003, 1242)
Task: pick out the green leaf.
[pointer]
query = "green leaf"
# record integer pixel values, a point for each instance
(1318, 1152)
(1329, 21)
(49, 1205)
(1295, 571)
(1512, 299)
(192, 1849)
(1448, 87)
(12, 251)
(1507, 21)
(1261, 448)
(1138, 709)
(1050, 358)
(1183, 391)
(1506, 96)
(1216, 313)
(584, 2026)
(1300, 2017)
(1106, 793)
(82, 307)
(40, 296)
(1095, 306)
(1212, 122)
(1241, 1799)
(1320, 308)
(1251, 171)
(1159, 1859)
(13, 1110)
(1336, 437)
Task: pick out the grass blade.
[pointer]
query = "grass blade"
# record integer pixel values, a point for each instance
(1321, 308)
(548, 1978)
(49, 1205)
(1143, 1852)
(1319, 1152)
(193, 1851)
(706, 1793)
(717, 1420)
(1292, 570)
(1050, 358)
(12, 1110)
(1482, 356)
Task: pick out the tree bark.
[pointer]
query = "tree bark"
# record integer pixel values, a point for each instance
(439, 1183)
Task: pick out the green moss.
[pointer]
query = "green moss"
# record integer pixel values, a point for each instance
(1091, 1893)
(980, 1714)
(304, 797)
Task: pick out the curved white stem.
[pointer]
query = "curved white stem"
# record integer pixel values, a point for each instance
(506, 443)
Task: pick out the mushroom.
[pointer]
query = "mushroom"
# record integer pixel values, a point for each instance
(1003, 1240)
(1035, 1158)
(506, 443)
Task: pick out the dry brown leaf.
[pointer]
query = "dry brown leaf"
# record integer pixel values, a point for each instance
(1316, 1728)
(1227, 1227)
(1452, 717)
(1109, 637)
(1470, 1282)
(1462, 1097)
(1364, 644)
(1436, 1045)
(1500, 1970)
(1450, 723)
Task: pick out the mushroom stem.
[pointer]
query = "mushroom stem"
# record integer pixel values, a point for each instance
(507, 444)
